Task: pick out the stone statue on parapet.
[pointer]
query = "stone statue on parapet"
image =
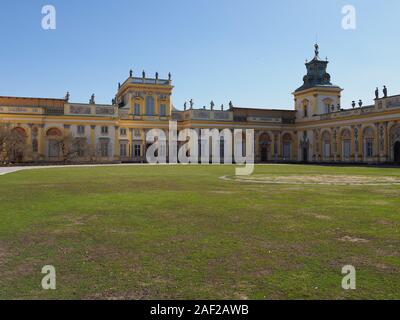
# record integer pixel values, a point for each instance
(143, 74)
(92, 99)
(185, 106)
(131, 73)
(222, 107)
(385, 92)
(377, 93)
(191, 103)
(212, 105)
(230, 105)
(67, 96)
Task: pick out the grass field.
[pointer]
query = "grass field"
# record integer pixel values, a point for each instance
(180, 232)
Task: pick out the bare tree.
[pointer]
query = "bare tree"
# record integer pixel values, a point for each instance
(73, 148)
(13, 146)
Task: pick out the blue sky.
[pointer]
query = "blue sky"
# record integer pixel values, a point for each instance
(251, 52)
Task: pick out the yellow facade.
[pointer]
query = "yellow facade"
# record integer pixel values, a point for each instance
(317, 130)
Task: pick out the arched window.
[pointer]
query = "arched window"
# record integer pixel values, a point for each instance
(53, 132)
(20, 131)
(149, 106)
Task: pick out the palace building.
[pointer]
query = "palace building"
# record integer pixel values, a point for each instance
(318, 130)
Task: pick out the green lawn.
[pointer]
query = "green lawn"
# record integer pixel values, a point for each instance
(180, 232)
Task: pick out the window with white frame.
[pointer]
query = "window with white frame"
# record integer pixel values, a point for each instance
(346, 149)
(81, 129)
(104, 144)
(163, 110)
(369, 148)
(122, 132)
(137, 109)
(123, 149)
(286, 150)
(137, 151)
(149, 106)
(104, 130)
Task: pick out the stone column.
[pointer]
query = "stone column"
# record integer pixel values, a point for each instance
(377, 145)
(335, 145)
(361, 151)
(67, 130)
(93, 140)
(295, 147)
(117, 155)
(42, 142)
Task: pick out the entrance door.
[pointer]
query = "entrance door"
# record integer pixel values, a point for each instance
(305, 154)
(264, 154)
(397, 152)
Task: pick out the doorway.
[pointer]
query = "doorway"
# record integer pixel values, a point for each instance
(305, 154)
(396, 152)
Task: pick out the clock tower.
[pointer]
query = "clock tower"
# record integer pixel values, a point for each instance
(317, 95)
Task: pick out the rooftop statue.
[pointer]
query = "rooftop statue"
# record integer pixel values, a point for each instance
(143, 74)
(212, 105)
(92, 99)
(191, 103)
(377, 93)
(385, 92)
(131, 73)
(185, 106)
(67, 97)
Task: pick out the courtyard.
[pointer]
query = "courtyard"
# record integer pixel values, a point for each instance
(199, 232)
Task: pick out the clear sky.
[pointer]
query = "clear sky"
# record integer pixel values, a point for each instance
(249, 51)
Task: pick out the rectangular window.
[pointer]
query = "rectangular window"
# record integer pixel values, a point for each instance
(122, 132)
(137, 150)
(327, 150)
(104, 148)
(137, 109)
(54, 148)
(137, 132)
(163, 110)
(122, 150)
(81, 129)
(286, 150)
(370, 148)
(104, 130)
(346, 149)
(35, 145)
